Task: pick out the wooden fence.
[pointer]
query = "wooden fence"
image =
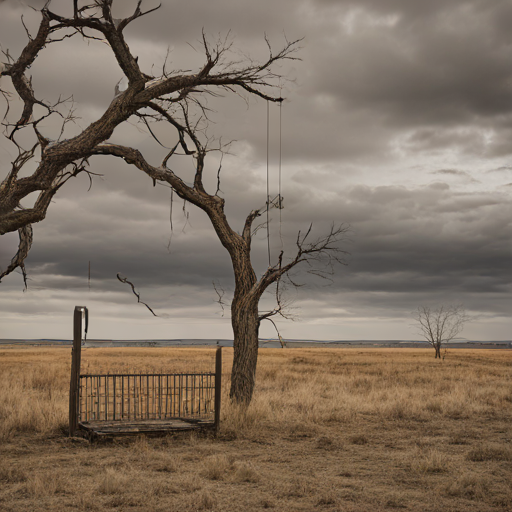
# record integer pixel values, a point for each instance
(134, 403)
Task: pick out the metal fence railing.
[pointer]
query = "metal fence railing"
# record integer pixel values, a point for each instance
(137, 397)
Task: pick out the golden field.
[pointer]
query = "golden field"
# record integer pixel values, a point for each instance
(329, 430)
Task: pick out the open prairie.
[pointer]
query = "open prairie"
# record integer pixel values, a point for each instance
(329, 429)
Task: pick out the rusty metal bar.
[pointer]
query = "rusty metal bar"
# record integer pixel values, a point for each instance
(218, 386)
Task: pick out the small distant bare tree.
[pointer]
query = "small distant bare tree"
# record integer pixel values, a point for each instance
(440, 325)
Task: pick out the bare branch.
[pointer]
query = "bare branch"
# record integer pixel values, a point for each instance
(248, 231)
(122, 24)
(283, 343)
(125, 280)
(180, 128)
(17, 70)
(281, 306)
(217, 190)
(220, 296)
(26, 236)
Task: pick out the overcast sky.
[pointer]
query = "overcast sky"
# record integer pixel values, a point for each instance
(398, 122)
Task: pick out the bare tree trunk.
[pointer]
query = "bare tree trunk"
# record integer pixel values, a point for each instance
(245, 322)
(438, 350)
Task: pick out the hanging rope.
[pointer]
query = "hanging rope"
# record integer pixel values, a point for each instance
(170, 220)
(277, 202)
(280, 159)
(268, 186)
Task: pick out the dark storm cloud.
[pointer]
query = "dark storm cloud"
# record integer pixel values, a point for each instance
(457, 174)
(140, 246)
(378, 78)
(502, 169)
(454, 172)
(448, 73)
(436, 73)
(243, 19)
(426, 240)
(426, 72)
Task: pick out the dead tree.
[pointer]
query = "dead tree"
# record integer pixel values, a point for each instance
(440, 325)
(174, 98)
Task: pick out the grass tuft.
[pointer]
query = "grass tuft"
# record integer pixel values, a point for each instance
(42, 483)
(245, 472)
(216, 467)
(206, 501)
(113, 482)
(360, 439)
(468, 485)
(430, 461)
(10, 474)
(489, 452)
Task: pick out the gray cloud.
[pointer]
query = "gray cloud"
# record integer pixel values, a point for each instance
(501, 169)
(430, 237)
(398, 123)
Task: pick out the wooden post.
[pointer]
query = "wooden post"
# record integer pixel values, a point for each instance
(76, 353)
(218, 386)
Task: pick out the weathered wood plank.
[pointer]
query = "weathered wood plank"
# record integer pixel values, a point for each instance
(141, 427)
(75, 371)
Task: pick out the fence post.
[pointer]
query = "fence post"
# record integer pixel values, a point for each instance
(218, 386)
(75, 370)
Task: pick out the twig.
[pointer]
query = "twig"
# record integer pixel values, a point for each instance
(125, 280)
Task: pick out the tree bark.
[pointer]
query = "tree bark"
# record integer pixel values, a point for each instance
(245, 322)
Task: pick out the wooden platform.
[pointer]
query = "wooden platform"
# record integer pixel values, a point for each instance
(149, 427)
(175, 401)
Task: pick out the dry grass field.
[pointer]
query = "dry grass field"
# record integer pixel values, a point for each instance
(329, 430)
